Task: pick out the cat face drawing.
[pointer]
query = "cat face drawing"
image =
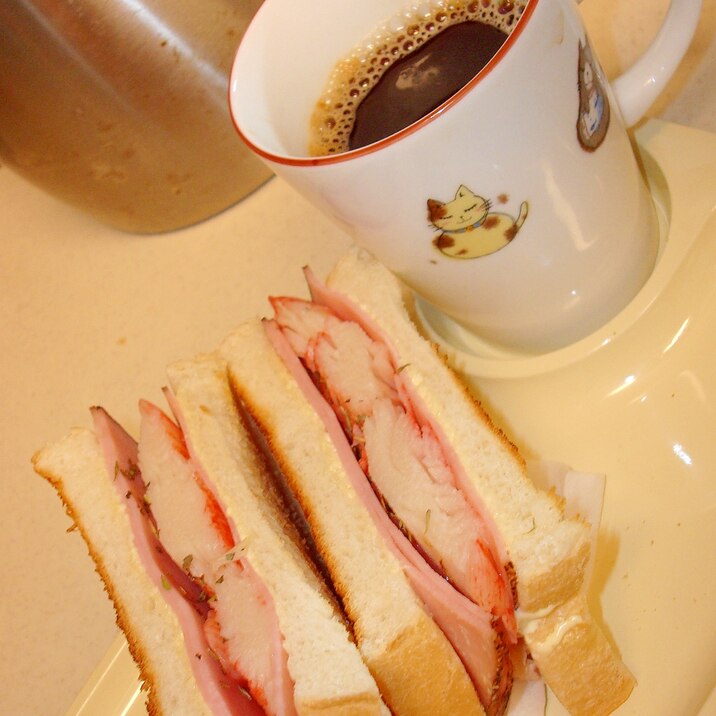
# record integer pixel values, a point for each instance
(468, 226)
(593, 116)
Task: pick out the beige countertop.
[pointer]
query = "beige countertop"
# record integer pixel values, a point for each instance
(92, 315)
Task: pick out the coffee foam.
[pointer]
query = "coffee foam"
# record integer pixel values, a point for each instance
(352, 78)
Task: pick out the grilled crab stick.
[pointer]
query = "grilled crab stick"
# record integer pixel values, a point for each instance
(437, 526)
(260, 629)
(240, 624)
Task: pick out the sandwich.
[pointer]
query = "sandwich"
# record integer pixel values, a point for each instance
(223, 609)
(325, 521)
(387, 453)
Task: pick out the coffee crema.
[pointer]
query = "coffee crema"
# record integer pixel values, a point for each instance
(412, 65)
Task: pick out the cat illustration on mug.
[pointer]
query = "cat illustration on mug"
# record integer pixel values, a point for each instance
(469, 229)
(593, 117)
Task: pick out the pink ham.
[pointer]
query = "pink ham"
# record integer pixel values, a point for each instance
(474, 631)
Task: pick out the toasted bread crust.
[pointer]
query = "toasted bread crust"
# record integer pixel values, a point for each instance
(123, 622)
(293, 477)
(479, 411)
(565, 579)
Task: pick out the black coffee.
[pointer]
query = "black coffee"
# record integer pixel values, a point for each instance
(407, 69)
(418, 83)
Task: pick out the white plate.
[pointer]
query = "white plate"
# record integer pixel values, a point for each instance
(636, 401)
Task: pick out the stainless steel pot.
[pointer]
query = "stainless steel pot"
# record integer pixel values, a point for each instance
(120, 106)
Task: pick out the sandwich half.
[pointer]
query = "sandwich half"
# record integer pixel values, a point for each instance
(363, 414)
(222, 608)
(414, 664)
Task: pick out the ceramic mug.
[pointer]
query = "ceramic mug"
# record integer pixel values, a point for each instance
(517, 207)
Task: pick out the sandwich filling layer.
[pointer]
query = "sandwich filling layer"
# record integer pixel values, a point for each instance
(192, 552)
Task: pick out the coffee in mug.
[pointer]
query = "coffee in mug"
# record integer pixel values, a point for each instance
(406, 70)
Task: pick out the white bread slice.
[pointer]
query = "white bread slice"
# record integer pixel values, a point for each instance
(330, 677)
(415, 667)
(549, 552)
(75, 467)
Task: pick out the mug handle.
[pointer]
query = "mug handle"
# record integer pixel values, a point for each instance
(637, 88)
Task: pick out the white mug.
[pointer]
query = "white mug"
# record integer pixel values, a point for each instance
(517, 207)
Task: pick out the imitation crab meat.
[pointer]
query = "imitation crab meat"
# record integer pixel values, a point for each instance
(240, 625)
